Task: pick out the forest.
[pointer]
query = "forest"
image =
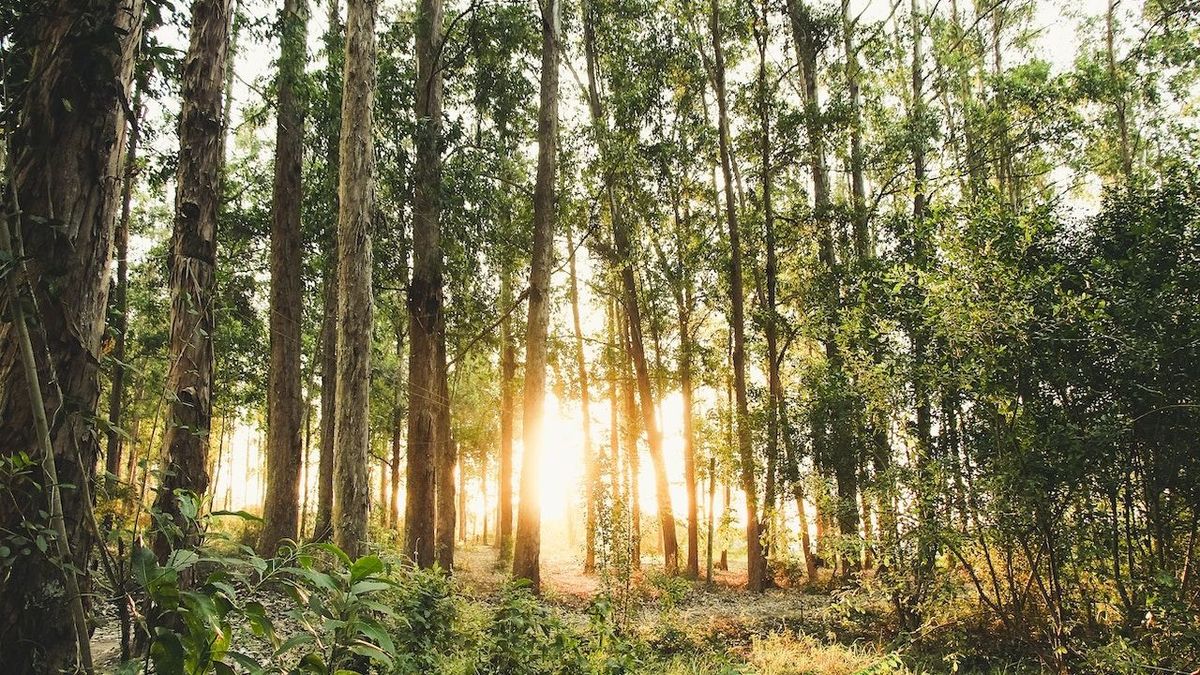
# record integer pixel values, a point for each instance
(475, 337)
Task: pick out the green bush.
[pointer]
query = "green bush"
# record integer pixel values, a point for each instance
(525, 638)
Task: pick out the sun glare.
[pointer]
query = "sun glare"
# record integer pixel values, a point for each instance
(562, 466)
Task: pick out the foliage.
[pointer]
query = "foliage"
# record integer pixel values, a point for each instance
(524, 638)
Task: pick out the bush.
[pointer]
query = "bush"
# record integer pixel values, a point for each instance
(524, 638)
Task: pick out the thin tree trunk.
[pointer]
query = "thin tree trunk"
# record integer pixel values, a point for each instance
(323, 527)
(858, 190)
(425, 296)
(1125, 155)
(592, 466)
(356, 196)
(771, 327)
(193, 272)
(508, 370)
(284, 397)
(689, 436)
(836, 433)
(756, 571)
(116, 394)
(624, 250)
(447, 451)
(393, 507)
(526, 557)
(712, 493)
(633, 453)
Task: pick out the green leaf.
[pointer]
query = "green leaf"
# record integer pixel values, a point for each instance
(335, 552)
(293, 642)
(365, 567)
(370, 586)
(378, 635)
(244, 515)
(247, 662)
(260, 625)
(372, 652)
(181, 559)
(166, 652)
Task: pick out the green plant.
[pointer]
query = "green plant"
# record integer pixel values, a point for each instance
(334, 622)
(526, 639)
(424, 620)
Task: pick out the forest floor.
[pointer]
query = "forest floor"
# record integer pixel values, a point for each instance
(722, 607)
(687, 627)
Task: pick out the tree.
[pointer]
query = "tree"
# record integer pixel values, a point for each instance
(193, 275)
(592, 465)
(623, 254)
(66, 136)
(281, 518)
(756, 568)
(120, 301)
(508, 370)
(334, 53)
(426, 356)
(356, 196)
(527, 552)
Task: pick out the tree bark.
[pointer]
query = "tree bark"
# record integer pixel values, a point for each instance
(527, 553)
(323, 527)
(508, 371)
(66, 157)
(398, 417)
(771, 274)
(858, 189)
(193, 271)
(120, 323)
(447, 451)
(756, 569)
(284, 398)
(356, 196)
(1120, 104)
(425, 296)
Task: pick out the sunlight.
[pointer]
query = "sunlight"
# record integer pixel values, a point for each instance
(561, 486)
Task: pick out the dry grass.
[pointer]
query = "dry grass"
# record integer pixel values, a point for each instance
(785, 654)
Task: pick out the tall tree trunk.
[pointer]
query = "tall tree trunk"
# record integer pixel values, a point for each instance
(193, 272)
(630, 433)
(447, 451)
(120, 323)
(624, 254)
(356, 197)
(508, 374)
(793, 466)
(398, 418)
(928, 488)
(323, 527)
(527, 554)
(66, 153)
(592, 466)
(689, 432)
(756, 569)
(771, 274)
(284, 398)
(425, 295)
(1120, 102)
(858, 189)
(836, 434)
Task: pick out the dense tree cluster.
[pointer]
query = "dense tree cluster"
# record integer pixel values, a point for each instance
(923, 278)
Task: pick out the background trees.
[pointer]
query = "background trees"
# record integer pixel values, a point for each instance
(896, 294)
